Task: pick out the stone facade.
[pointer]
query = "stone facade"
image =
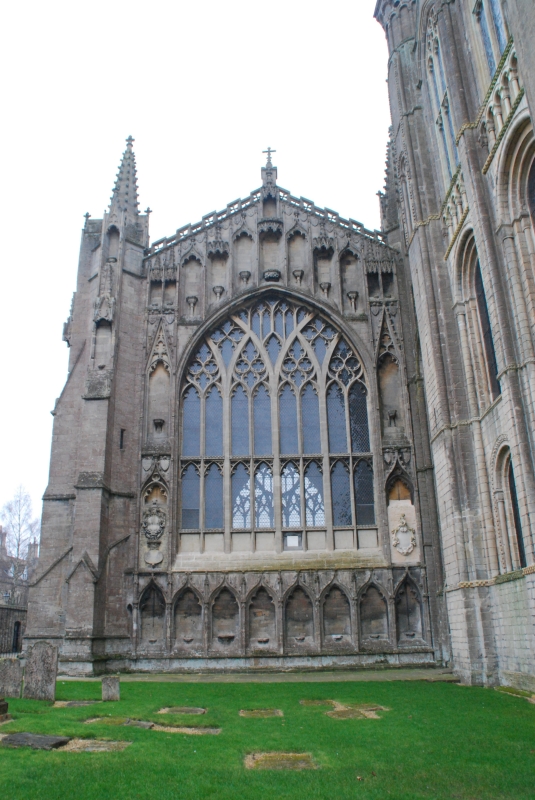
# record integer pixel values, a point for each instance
(240, 472)
(286, 441)
(459, 204)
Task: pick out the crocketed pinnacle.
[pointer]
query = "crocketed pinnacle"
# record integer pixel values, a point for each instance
(124, 197)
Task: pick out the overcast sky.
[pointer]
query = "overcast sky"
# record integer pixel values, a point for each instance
(203, 88)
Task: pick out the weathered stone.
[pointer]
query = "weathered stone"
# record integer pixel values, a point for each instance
(40, 672)
(182, 710)
(111, 690)
(10, 677)
(139, 723)
(34, 740)
(3, 706)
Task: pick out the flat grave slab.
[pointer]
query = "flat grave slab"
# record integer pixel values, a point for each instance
(74, 703)
(34, 740)
(348, 710)
(182, 710)
(139, 723)
(93, 746)
(261, 713)
(188, 731)
(276, 760)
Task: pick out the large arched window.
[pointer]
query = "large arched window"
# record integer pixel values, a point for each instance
(476, 330)
(511, 548)
(494, 35)
(274, 430)
(440, 105)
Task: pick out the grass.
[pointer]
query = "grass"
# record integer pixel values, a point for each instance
(438, 741)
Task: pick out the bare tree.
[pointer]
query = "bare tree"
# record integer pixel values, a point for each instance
(21, 528)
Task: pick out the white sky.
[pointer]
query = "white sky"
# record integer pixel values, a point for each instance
(203, 88)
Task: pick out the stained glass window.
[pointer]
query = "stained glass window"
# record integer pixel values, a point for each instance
(341, 494)
(231, 384)
(263, 491)
(358, 419)
(191, 424)
(288, 422)
(336, 417)
(291, 497)
(314, 503)
(241, 498)
(214, 423)
(240, 422)
(190, 498)
(213, 498)
(262, 422)
(364, 500)
(310, 420)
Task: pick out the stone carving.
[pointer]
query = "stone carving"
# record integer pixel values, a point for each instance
(270, 227)
(111, 688)
(10, 677)
(353, 297)
(160, 353)
(244, 276)
(40, 672)
(217, 248)
(325, 286)
(272, 275)
(104, 308)
(192, 302)
(298, 275)
(218, 291)
(154, 520)
(404, 537)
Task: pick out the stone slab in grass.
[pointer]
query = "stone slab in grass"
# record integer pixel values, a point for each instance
(74, 703)
(188, 731)
(182, 710)
(356, 711)
(139, 723)
(348, 710)
(277, 760)
(93, 746)
(261, 713)
(40, 672)
(36, 741)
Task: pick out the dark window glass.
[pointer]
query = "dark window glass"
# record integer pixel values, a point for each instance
(358, 419)
(214, 423)
(336, 419)
(240, 423)
(486, 330)
(531, 191)
(288, 422)
(213, 502)
(314, 502)
(262, 422)
(263, 494)
(241, 498)
(516, 516)
(310, 420)
(190, 498)
(364, 500)
(341, 496)
(291, 497)
(499, 24)
(191, 424)
(485, 35)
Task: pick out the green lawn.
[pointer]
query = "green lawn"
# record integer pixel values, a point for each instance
(438, 740)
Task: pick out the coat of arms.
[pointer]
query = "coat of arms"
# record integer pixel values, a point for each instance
(154, 520)
(404, 537)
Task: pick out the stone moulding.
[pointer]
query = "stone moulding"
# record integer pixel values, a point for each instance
(507, 577)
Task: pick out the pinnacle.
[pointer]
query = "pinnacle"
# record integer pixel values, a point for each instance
(125, 194)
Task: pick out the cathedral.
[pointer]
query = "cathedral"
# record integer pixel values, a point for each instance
(289, 442)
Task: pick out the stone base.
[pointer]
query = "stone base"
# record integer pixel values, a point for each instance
(5, 718)
(173, 664)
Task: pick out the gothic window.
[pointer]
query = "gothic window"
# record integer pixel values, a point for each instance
(213, 503)
(486, 332)
(516, 515)
(491, 21)
(531, 191)
(275, 366)
(511, 547)
(476, 331)
(438, 92)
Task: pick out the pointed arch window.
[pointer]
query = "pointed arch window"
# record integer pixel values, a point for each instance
(486, 331)
(274, 421)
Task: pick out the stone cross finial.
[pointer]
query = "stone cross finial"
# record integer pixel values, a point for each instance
(130, 141)
(269, 151)
(148, 210)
